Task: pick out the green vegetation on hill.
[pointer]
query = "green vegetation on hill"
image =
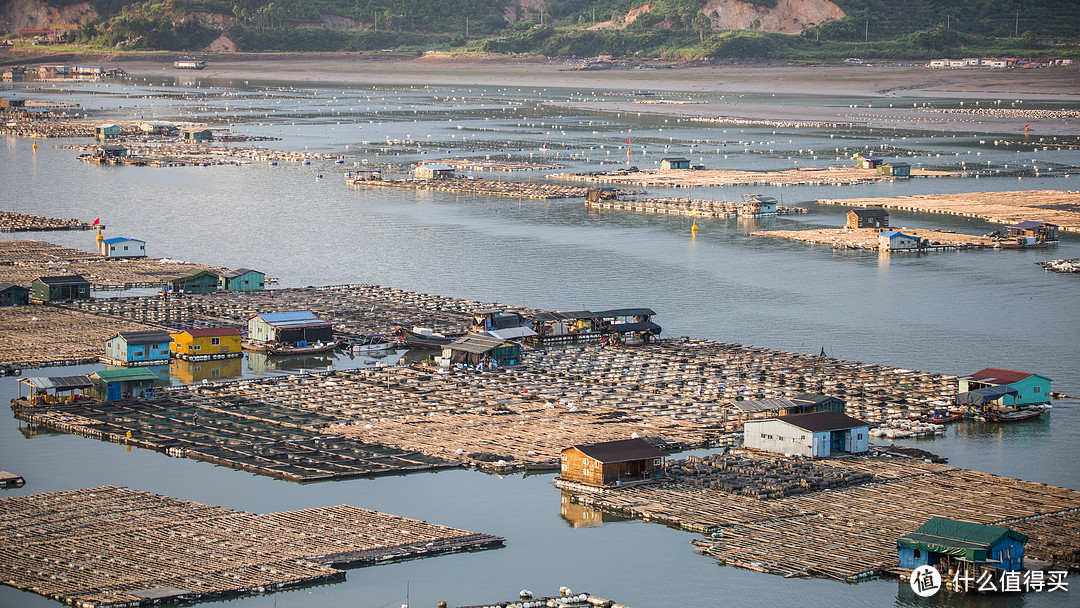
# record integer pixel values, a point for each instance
(896, 29)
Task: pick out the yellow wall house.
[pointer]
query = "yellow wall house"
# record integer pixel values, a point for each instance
(207, 343)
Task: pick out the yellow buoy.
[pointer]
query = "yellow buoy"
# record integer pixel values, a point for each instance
(35, 145)
(693, 228)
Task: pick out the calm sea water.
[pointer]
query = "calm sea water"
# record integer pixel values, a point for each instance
(943, 312)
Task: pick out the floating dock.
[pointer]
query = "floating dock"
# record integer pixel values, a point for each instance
(687, 206)
(849, 532)
(11, 480)
(1058, 207)
(487, 187)
(113, 546)
(867, 239)
(566, 599)
(488, 164)
(697, 178)
(277, 440)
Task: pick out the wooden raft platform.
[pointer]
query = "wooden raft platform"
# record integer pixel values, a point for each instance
(696, 178)
(867, 238)
(1052, 206)
(113, 546)
(11, 221)
(278, 441)
(487, 187)
(849, 533)
(686, 206)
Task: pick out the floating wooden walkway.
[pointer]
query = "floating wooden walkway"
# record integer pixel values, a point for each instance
(11, 480)
(113, 546)
(279, 441)
(849, 533)
(486, 187)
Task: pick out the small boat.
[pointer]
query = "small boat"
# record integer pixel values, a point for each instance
(373, 344)
(1014, 415)
(423, 339)
(942, 417)
(273, 348)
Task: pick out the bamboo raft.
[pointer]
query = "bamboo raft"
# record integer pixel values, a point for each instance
(11, 221)
(278, 441)
(113, 546)
(486, 187)
(1051, 206)
(488, 164)
(696, 178)
(687, 206)
(867, 238)
(849, 533)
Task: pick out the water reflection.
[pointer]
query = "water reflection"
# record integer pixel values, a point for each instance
(190, 372)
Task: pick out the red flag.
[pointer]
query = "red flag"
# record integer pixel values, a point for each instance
(96, 222)
(628, 142)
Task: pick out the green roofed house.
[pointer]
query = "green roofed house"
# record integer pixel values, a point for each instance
(954, 546)
(196, 281)
(241, 279)
(117, 384)
(58, 289)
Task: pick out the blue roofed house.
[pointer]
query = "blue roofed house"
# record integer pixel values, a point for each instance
(138, 348)
(122, 247)
(297, 328)
(954, 546)
(892, 240)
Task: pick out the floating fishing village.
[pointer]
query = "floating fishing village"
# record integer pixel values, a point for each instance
(785, 463)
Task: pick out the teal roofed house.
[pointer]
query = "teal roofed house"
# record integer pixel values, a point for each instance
(954, 546)
(242, 279)
(1031, 389)
(117, 384)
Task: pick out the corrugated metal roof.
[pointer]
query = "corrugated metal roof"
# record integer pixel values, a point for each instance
(292, 319)
(873, 212)
(621, 450)
(771, 404)
(477, 344)
(1032, 224)
(436, 167)
(232, 274)
(120, 239)
(625, 312)
(996, 375)
(512, 333)
(965, 539)
(152, 336)
(62, 383)
(823, 421)
(124, 375)
(67, 279)
(211, 332)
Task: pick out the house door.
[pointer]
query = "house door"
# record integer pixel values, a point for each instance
(114, 391)
(837, 441)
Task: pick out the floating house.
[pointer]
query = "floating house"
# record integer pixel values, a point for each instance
(955, 547)
(628, 323)
(488, 319)
(478, 349)
(196, 281)
(816, 402)
(8, 100)
(14, 295)
(894, 169)
(207, 343)
(63, 389)
(109, 152)
(756, 205)
(1031, 389)
(241, 279)
(1040, 231)
(138, 348)
(433, 171)
(674, 162)
(107, 131)
(122, 247)
(611, 462)
(891, 240)
(873, 217)
(867, 162)
(815, 434)
(117, 384)
(298, 328)
(512, 333)
(158, 127)
(554, 327)
(196, 134)
(59, 289)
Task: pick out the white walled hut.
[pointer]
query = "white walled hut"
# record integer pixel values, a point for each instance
(816, 434)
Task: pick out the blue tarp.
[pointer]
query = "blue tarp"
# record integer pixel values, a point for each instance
(985, 395)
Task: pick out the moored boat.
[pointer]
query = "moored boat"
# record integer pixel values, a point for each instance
(423, 338)
(373, 344)
(942, 416)
(1013, 415)
(271, 348)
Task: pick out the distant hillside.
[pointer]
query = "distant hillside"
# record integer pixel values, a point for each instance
(653, 28)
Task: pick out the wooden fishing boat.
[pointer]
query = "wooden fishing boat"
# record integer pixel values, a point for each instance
(942, 417)
(1014, 415)
(373, 344)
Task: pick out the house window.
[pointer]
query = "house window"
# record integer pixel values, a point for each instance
(125, 247)
(763, 435)
(1038, 389)
(779, 437)
(198, 347)
(918, 554)
(215, 341)
(584, 462)
(565, 467)
(859, 436)
(656, 462)
(564, 456)
(586, 472)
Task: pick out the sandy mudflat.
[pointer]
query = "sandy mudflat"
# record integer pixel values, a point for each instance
(864, 85)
